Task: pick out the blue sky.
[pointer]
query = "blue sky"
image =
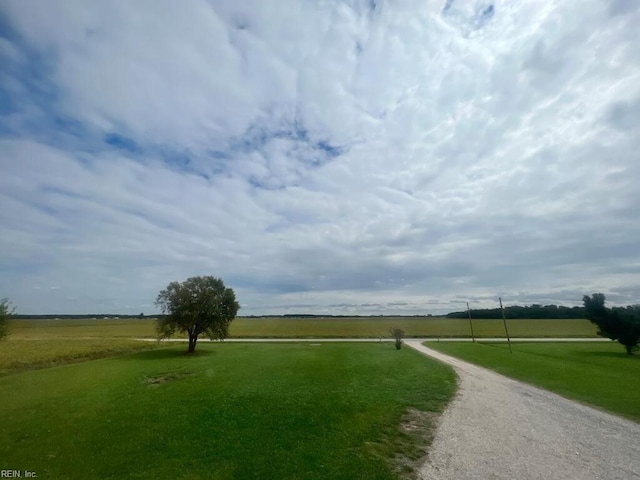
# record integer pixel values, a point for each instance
(388, 157)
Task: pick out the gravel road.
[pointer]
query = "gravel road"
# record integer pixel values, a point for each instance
(498, 428)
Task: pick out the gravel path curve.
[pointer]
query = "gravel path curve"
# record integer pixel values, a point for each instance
(498, 428)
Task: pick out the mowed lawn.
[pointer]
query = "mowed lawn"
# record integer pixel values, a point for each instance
(600, 374)
(231, 411)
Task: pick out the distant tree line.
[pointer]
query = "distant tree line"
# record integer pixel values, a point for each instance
(533, 311)
(313, 315)
(51, 316)
(528, 311)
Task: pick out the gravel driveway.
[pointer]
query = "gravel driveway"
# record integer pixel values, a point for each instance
(498, 428)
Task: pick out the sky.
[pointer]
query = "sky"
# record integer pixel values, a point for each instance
(329, 157)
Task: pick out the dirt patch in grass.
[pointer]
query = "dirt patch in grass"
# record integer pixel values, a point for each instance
(157, 380)
(418, 430)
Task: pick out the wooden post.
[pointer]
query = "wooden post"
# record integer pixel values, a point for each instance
(504, 320)
(473, 338)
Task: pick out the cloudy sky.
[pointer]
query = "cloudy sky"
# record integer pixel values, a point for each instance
(357, 156)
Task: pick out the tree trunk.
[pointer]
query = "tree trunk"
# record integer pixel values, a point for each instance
(192, 343)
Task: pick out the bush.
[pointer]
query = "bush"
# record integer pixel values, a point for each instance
(398, 334)
(6, 310)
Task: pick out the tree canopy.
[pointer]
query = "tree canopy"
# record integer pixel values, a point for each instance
(526, 311)
(617, 323)
(196, 306)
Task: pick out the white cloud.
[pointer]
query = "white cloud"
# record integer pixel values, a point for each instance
(327, 154)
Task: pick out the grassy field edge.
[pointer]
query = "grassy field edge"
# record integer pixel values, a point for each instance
(21, 355)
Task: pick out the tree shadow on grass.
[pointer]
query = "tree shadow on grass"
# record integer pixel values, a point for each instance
(163, 353)
(621, 354)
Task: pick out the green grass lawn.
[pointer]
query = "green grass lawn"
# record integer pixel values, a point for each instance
(600, 374)
(230, 411)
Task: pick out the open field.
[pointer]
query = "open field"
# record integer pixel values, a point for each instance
(34, 344)
(81, 328)
(363, 327)
(231, 411)
(17, 355)
(600, 374)
(43, 343)
(413, 327)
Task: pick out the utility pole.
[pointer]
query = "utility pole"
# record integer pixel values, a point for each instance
(473, 338)
(504, 320)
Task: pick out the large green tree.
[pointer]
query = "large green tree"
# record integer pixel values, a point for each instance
(196, 306)
(6, 310)
(618, 323)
